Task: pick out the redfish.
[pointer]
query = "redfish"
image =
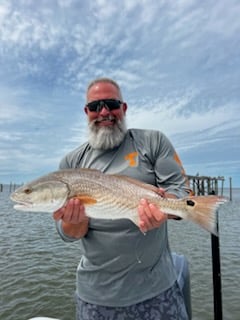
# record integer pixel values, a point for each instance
(108, 196)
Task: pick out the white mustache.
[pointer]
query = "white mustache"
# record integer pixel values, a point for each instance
(107, 118)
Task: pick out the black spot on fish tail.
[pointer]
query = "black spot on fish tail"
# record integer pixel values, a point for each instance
(190, 203)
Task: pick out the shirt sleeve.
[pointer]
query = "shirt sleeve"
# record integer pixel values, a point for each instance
(168, 168)
(73, 158)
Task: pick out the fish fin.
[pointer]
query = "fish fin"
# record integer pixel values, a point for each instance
(86, 200)
(203, 210)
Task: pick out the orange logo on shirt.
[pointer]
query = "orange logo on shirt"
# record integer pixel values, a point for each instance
(179, 162)
(177, 159)
(132, 158)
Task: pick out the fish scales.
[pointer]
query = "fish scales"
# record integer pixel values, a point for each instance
(107, 196)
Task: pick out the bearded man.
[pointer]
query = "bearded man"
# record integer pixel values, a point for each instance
(125, 271)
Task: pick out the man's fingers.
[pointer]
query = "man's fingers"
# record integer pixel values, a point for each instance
(78, 214)
(57, 215)
(73, 212)
(145, 215)
(158, 215)
(147, 210)
(162, 192)
(142, 227)
(150, 216)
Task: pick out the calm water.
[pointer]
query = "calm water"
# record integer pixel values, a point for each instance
(37, 269)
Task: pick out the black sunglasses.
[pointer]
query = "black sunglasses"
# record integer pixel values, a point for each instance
(109, 104)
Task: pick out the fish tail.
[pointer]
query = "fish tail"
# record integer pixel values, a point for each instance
(203, 211)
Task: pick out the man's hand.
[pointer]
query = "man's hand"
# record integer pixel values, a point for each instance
(73, 212)
(74, 219)
(150, 216)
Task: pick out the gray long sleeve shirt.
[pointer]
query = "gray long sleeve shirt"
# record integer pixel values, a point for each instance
(119, 265)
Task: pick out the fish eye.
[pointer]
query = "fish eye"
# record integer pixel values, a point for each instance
(27, 191)
(190, 203)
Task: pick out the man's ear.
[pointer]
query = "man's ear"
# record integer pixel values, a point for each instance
(125, 106)
(86, 110)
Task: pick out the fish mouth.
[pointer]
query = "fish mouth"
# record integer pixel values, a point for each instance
(22, 205)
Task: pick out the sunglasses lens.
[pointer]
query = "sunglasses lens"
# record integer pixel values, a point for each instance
(110, 104)
(113, 104)
(93, 106)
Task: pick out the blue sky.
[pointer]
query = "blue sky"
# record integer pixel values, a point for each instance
(178, 63)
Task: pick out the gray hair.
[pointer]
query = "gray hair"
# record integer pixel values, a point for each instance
(108, 80)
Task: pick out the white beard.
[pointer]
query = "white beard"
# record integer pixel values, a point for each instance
(107, 137)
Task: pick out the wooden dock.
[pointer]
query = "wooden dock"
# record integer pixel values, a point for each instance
(204, 185)
(10, 187)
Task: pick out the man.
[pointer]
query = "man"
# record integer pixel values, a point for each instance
(125, 272)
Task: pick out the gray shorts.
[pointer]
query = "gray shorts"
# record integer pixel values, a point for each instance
(168, 305)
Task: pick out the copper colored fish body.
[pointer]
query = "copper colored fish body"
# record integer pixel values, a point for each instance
(108, 196)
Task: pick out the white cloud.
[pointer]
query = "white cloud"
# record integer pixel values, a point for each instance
(177, 116)
(10, 113)
(223, 19)
(4, 10)
(16, 114)
(65, 3)
(9, 136)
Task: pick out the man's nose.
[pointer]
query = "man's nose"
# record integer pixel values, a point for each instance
(104, 111)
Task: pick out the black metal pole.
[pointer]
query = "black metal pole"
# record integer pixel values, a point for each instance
(216, 273)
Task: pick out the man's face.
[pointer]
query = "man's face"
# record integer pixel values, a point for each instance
(104, 90)
(107, 127)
